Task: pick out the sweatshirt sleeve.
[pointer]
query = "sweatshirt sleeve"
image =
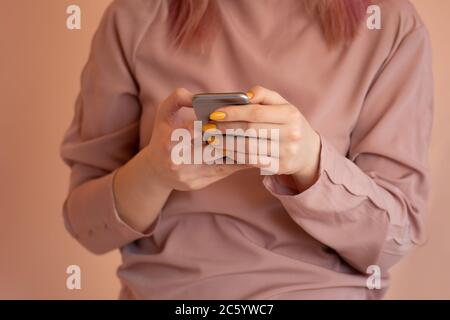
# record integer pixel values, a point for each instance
(369, 206)
(104, 134)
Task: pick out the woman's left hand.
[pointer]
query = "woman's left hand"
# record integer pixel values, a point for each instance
(298, 144)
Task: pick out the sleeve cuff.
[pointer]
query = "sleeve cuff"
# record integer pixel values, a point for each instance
(337, 211)
(92, 217)
(122, 225)
(286, 193)
(341, 184)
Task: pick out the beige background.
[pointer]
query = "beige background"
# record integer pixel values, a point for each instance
(40, 64)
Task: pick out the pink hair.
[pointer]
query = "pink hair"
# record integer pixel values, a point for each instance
(193, 22)
(339, 19)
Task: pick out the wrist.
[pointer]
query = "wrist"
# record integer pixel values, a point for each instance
(146, 169)
(138, 195)
(309, 173)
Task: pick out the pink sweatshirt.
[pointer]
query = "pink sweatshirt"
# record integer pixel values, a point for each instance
(249, 236)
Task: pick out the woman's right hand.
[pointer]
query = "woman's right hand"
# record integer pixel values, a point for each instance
(143, 184)
(182, 177)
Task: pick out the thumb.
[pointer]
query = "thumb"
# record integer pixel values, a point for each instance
(261, 95)
(179, 98)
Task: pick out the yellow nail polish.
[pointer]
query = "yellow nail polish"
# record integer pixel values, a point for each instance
(209, 126)
(211, 139)
(250, 94)
(218, 115)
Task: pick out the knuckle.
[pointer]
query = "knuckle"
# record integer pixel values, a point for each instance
(181, 175)
(230, 111)
(256, 113)
(294, 114)
(291, 150)
(295, 134)
(282, 168)
(192, 185)
(257, 88)
(179, 91)
(286, 166)
(277, 95)
(174, 167)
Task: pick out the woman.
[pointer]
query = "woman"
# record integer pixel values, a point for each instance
(353, 107)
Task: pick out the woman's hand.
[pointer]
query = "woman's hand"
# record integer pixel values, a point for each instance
(298, 144)
(144, 183)
(183, 177)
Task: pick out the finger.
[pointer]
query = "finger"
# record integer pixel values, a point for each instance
(261, 95)
(229, 166)
(246, 145)
(266, 163)
(252, 129)
(179, 98)
(210, 130)
(256, 113)
(245, 158)
(227, 169)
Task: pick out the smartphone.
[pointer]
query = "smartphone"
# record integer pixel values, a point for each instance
(206, 103)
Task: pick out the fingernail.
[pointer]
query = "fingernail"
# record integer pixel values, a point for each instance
(250, 94)
(211, 139)
(209, 126)
(218, 115)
